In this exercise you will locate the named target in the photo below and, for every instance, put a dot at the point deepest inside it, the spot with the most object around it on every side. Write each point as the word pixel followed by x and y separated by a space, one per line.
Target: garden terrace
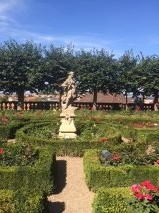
pixel 134 136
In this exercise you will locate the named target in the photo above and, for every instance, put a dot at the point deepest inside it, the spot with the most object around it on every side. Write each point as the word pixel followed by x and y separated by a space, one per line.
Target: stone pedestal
pixel 67 128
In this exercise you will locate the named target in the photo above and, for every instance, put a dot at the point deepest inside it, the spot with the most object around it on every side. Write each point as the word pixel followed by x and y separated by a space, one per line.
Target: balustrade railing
pixel 50 105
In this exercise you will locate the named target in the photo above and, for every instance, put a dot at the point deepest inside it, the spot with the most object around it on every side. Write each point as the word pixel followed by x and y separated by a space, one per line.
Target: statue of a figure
pixel 69 88
pixel 67 128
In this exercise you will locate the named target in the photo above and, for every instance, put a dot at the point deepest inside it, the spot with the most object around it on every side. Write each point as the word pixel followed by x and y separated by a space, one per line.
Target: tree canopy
pixel 95 71
pixel 30 66
pixel 20 67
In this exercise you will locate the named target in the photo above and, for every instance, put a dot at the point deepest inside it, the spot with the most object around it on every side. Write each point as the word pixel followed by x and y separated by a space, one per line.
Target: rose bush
pixel 146 197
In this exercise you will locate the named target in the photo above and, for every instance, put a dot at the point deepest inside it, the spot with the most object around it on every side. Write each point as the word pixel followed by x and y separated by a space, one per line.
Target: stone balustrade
pixel 50 105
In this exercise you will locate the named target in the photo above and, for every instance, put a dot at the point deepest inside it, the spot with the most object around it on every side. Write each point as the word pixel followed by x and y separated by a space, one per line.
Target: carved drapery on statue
pixel 67 128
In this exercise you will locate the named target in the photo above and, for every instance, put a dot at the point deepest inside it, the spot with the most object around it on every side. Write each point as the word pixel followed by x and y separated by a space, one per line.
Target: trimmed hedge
pixel 112 200
pixel 4 131
pixel 7 201
pixel 110 176
pixel 8 131
pixel 37 178
pixel 18 202
pixel 72 147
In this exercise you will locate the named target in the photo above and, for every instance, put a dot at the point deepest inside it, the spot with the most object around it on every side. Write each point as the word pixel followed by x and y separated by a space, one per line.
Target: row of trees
pixel 30 66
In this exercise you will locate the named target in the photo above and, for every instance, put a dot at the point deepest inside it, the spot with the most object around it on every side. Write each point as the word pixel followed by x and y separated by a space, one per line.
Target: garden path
pixel 72 194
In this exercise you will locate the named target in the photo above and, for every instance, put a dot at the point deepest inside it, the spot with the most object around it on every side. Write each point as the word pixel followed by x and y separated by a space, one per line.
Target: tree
pixel 20 67
pixel 58 62
pixel 96 71
pixel 149 75
pixel 127 73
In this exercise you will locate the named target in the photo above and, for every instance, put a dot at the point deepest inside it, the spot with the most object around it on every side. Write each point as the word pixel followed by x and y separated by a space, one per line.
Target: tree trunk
pixel 126 96
pixel 156 104
pixel 20 94
pixel 60 95
pixel 95 99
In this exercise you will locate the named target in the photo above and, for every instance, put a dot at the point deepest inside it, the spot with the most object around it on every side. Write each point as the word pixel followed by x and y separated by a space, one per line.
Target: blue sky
pixel 116 25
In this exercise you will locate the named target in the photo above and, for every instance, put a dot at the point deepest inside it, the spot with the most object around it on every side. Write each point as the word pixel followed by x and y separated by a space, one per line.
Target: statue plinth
pixel 67 128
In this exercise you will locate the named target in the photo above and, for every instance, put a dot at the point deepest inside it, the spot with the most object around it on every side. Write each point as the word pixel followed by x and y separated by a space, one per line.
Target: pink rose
pixel 1 151
pixel 139 196
pixel 148 185
pixel 148 197
pixel 136 188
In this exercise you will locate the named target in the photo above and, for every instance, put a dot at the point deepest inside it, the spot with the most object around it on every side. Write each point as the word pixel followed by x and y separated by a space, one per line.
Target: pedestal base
pixel 67 128
pixel 67 135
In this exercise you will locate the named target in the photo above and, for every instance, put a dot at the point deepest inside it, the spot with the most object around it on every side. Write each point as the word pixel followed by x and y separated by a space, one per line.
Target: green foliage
pixel 149 75
pixel 133 154
pixel 7 202
pixel 18 155
pixel 57 63
pixel 127 66
pixel 96 71
pixel 17 202
pixel 112 200
pixel 33 178
pixel 20 67
pixel 4 131
pixel 114 176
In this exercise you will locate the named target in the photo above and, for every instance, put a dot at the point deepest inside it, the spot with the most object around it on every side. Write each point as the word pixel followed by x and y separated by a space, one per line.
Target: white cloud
pixel 10 28
pixel 8 5
pixel 5 20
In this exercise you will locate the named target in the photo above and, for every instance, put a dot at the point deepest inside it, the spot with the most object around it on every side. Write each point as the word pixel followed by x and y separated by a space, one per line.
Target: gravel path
pixel 72 194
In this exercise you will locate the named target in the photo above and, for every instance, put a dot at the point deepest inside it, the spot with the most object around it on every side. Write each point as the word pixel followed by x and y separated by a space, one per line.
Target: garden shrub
pixel 112 200
pixel 4 131
pixel 13 127
pixel 18 155
pixel 7 201
pixel 20 201
pixel 33 203
pixel 98 175
pixel 32 134
pixel 31 178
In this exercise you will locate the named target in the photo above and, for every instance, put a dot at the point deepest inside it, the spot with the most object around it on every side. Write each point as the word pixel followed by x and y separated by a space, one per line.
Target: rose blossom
pixel 136 188
pixel 1 151
pixel 148 197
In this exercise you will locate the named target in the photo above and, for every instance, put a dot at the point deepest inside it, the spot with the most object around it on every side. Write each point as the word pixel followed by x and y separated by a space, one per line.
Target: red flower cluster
pixel 144 191
pixel 1 150
pixel 156 163
pixel 104 140
pixel 116 157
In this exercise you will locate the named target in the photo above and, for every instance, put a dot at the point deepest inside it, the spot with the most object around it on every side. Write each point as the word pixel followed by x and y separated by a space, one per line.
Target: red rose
pixel 1 151
pixel 116 157
pixel 148 185
pixel 156 163
pixel 148 197
pixel 139 196
pixel 136 188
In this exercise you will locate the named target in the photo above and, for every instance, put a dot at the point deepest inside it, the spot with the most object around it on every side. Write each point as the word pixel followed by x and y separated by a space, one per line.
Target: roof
pixel 105 98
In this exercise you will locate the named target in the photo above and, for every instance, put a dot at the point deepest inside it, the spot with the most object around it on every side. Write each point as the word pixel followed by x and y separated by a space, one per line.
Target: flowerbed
pixel 18 155
pixel 138 198
pixel 146 197
pixel 98 175
pixel 132 154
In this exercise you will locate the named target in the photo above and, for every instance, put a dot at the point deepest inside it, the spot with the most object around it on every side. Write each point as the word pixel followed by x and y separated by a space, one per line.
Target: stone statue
pixel 67 128
pixel 69 89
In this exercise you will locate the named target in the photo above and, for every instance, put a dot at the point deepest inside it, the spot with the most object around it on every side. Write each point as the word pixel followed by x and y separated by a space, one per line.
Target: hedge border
pixel 110 176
